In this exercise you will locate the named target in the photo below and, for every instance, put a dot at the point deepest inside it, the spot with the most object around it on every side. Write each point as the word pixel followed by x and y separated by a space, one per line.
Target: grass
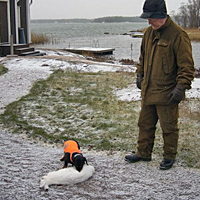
pixel 39 38
pixel 83 106
pixel 194 34
pixel 3 70
pixel 76 105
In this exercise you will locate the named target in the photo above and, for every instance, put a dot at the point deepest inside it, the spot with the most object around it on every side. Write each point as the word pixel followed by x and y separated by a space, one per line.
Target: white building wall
pixel 28 21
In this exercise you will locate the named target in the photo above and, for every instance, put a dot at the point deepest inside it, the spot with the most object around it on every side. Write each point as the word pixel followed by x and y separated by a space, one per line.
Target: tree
pixel 189 14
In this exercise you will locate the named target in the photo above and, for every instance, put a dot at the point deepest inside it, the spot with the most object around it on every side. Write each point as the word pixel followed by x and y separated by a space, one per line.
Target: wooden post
pixel 131 51
pixel 11 45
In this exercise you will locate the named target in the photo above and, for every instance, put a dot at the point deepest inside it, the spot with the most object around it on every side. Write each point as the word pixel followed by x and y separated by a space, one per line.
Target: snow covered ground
pixel 38 68
pixel 23 162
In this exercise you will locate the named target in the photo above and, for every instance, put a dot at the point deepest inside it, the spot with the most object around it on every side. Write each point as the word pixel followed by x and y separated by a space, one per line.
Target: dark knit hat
pixel 155 9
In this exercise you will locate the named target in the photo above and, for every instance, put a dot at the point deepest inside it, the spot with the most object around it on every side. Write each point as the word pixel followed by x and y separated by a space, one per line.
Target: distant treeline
pixel 118 19
pixel 60 21
pixel 96 20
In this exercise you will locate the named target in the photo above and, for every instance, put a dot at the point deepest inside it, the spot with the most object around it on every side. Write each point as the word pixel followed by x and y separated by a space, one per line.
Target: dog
pixel 67 176
pixel 73 155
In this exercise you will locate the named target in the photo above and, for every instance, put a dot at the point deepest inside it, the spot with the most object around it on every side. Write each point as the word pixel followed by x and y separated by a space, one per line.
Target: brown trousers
pixel 168 118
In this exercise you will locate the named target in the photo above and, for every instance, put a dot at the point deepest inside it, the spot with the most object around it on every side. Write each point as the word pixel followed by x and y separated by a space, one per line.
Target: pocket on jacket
pixel 163 49
pixel 165 64
pixel 168 83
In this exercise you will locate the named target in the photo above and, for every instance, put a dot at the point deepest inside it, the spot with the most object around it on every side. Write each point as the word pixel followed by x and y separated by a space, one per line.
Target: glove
pixel 139 80
pixel 176 95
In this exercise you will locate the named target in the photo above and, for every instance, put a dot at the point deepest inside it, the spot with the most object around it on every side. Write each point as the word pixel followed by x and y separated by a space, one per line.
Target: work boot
pixel 135 158
pixel 166 164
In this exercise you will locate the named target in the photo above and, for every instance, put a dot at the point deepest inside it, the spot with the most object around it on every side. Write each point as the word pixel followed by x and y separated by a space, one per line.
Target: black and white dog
pixel 73 155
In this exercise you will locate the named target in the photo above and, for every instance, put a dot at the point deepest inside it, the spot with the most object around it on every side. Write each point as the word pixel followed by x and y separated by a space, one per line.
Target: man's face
pixel 156 23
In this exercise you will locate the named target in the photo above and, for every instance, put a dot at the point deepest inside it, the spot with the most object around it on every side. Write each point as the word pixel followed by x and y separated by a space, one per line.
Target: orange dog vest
pixel 71 147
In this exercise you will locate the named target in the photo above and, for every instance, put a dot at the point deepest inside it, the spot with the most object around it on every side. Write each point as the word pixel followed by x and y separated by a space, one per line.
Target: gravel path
pixel 23 162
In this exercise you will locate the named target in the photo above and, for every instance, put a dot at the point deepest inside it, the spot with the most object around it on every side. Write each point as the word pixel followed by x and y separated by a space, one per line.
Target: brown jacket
pixel 165 61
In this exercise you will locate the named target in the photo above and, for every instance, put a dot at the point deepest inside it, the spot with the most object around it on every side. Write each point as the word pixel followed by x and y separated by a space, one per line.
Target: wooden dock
pixel 91 51
pixel 137 35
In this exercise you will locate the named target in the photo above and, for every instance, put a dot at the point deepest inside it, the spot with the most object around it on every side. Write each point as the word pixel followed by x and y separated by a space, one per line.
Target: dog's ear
pixel 85 160
pixel 78 144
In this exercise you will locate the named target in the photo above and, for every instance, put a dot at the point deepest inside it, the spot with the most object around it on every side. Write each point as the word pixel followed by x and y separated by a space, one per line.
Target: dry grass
pixel 39 38
pixel 194 34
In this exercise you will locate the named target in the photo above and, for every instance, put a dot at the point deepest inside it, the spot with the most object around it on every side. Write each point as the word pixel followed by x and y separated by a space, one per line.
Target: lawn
pixel 83 106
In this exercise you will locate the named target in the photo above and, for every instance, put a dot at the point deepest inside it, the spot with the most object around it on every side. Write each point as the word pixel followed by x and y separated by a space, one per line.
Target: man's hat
pixel 155 9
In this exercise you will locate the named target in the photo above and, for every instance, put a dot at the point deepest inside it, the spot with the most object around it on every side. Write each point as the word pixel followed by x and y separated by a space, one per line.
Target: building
pixel 15 27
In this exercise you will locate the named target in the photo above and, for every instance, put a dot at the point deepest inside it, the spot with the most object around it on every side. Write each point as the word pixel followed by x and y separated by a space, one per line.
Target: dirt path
pixel 23 162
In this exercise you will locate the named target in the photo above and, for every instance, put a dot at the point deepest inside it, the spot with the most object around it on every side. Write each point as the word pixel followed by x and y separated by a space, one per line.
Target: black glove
pixel 177 94
pixel 139 80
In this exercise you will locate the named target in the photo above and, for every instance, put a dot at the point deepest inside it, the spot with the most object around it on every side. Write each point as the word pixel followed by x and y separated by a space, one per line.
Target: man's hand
pixel 139 80
pixel 177 94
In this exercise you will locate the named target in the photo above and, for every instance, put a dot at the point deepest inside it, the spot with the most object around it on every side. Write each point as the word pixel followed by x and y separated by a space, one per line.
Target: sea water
pixel 104 35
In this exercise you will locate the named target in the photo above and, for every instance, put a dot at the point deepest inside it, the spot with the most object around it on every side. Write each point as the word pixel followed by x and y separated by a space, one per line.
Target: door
pixel 3 22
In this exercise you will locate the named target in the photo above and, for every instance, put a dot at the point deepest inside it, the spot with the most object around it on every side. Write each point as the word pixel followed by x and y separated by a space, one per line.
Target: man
pixel 164 72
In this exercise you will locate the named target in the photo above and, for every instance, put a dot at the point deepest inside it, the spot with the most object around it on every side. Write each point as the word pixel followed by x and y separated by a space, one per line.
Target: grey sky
pixel 68 9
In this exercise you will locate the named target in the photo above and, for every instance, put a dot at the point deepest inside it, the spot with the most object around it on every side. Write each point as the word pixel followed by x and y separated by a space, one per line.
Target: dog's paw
pixel 43 185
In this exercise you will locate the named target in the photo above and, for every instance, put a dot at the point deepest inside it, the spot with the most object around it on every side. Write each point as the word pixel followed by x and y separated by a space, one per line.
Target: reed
pixel 194 34
pixel 39 38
